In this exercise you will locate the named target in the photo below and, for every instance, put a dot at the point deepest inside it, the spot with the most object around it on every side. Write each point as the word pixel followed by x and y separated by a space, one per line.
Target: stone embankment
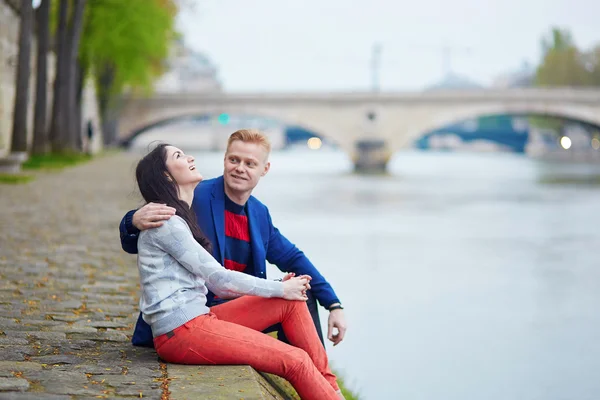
pixel 68 297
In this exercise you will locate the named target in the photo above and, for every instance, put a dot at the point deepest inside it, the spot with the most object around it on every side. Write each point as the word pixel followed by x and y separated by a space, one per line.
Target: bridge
pixel 369 126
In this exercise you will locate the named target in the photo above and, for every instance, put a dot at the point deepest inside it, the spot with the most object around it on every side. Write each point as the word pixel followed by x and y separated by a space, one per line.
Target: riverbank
pixel 68 297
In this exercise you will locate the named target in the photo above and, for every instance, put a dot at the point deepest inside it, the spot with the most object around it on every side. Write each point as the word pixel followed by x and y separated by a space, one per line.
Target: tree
pixel 559 39
pixel 120 44
pixel 592 65
pixel 562 63
pixel 40 125
pixel 57 126
pixel 73 123
pixel 19 133
pixel 130 54
pixel 64 130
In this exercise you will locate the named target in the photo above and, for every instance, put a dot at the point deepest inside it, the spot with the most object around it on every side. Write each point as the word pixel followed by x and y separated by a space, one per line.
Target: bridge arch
pixel 136 123
pixel 127 141
pixel 452 115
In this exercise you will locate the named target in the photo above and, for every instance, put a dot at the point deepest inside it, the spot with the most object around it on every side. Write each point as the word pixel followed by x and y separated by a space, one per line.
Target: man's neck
pixel 237 197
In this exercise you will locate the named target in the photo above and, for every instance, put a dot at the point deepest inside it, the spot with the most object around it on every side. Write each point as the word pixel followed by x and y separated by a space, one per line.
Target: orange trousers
pixel 231 334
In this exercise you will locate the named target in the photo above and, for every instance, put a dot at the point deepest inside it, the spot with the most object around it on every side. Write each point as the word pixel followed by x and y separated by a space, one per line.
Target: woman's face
pixel 182 167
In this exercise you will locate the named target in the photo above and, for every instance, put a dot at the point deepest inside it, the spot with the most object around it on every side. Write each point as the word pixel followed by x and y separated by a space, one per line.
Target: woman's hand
pixel 295 288
pixel 288 276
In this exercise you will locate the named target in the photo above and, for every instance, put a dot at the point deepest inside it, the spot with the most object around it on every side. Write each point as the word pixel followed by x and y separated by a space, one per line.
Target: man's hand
pixel 152 215
pixel 338 321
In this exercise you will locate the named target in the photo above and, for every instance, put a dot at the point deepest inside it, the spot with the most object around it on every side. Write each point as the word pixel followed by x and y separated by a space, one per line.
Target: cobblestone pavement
pixel 68 293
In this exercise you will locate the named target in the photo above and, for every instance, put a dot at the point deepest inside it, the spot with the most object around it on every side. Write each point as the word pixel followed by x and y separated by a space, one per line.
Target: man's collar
pixel 218 190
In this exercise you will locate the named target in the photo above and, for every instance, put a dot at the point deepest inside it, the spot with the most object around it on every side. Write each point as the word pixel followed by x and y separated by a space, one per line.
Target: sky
pixel 327 45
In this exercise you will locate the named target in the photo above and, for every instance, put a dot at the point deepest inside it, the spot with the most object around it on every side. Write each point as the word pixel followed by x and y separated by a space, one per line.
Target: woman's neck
pixel 186 194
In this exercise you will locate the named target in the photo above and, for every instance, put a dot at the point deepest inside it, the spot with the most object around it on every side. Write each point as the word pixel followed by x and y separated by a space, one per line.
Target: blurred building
pixel 521 77
pixel 454 81
pixel 188 71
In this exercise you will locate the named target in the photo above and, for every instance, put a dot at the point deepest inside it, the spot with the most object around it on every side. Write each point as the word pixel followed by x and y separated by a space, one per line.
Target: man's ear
pixel 267 168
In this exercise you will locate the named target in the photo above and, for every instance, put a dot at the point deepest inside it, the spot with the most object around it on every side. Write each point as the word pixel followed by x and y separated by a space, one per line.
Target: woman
pixel 176 271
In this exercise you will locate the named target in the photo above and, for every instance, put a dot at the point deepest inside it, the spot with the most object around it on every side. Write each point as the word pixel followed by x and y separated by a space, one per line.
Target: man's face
pixel 245 164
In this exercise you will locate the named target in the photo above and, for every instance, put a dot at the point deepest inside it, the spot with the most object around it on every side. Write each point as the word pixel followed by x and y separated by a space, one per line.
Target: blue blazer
pixel 267 243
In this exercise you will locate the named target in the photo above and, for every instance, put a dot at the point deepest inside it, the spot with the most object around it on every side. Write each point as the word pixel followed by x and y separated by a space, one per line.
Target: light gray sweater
pixel 175 272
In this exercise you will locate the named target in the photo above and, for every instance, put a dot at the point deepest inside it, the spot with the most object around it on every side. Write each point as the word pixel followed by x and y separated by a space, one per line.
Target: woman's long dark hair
pixel 158 186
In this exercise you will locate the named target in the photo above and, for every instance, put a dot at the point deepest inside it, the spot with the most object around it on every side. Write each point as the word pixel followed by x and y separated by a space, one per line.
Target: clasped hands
pixel 295 287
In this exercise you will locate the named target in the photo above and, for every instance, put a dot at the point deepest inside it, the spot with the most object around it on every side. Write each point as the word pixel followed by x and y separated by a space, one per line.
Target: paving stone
pixel 10 314
pixel 73 329
pixel 108 336
pixel 30 293
pixel 136 390
pixel 39 322
pixel 96 369
pixel 102 287
pixel 57 359
pixel 145 371
pixel 64 382
pixel 116 310
pixel 68 304
pixel 140 353
pixel 16 305
pixel 120 380
pixel 70 249
pixel 117 278
pixel 77 344
pixel 103 324
pixel 64 317
pixel 6 323
pixel 33 396
pixel 16 353
pixel 198 382
pixel 45 349
pixel 34 269
pixel 33 335
pixel 13 384
pixel 12 341
pixel 19 366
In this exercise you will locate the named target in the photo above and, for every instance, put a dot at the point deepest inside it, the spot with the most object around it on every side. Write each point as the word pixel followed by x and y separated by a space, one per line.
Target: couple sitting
pixel 186 311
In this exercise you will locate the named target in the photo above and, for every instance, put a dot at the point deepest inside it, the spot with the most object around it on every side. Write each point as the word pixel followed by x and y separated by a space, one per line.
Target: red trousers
pixel 231 334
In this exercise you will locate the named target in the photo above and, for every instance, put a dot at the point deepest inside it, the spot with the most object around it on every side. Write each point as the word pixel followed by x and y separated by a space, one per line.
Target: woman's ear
pixel 168 176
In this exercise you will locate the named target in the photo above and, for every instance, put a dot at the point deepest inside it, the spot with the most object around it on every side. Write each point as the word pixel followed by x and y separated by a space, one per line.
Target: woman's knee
pixel 299 359
pixel 286 305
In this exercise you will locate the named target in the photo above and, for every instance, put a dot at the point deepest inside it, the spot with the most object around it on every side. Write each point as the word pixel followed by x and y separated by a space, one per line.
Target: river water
pixel 464 276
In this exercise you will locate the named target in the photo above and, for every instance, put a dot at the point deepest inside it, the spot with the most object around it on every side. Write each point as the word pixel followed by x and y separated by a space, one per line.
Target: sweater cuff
pixel 131 229
pixel 329 302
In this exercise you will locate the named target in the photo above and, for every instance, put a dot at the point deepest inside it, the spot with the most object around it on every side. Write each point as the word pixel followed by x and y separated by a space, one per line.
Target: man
pixel 241 231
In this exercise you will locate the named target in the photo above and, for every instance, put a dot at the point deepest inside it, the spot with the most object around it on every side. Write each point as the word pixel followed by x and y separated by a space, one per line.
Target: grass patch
pixel 348 394
pixel 571 180
pixel 55 161
pixel 15 179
